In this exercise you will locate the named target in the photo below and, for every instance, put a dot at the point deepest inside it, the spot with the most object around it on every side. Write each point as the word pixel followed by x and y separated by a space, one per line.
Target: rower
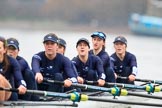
pixel 98 41
pixel 61 46
pixel 13 51
pixel 52 65
pixel 124 63
pixel 10 69
pixel 61 49
pixel 89 67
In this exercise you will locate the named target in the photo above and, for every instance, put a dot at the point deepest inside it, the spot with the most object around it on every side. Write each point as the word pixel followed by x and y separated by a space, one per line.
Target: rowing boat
pixel 69 104
pixel 66 103
pixel 145 25
pixel 106 98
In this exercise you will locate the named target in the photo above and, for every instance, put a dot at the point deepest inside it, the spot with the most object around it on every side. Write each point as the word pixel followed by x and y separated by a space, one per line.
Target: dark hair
pixel 5 60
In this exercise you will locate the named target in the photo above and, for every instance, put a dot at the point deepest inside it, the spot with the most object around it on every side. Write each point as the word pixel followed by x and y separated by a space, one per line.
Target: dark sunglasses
pixel 99 34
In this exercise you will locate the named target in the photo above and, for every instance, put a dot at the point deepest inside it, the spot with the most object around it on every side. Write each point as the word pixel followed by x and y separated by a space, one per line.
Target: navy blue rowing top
pixel 93 63
pixel 40 63
pixel 23 63
pixel 103 55
pixel 119 66
pixel 13 72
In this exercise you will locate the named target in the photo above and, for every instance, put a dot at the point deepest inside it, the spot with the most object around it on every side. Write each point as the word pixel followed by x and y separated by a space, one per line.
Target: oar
pixel 144 80
pixel 150 88
pixel 125 102
pixel 72 96
pixel 36 103
pixel 115 91
pixel 77 97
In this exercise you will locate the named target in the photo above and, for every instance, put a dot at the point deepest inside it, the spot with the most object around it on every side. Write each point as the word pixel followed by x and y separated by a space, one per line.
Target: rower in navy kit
pixel 124 63
pixel 10 69
pixel 13 50
pixel 98 40
pixel 89 67
pixel 61 49
pixel 50 64
pixel 61 46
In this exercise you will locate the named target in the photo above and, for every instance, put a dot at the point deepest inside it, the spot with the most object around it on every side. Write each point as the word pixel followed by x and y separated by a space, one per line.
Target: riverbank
pixel 60 26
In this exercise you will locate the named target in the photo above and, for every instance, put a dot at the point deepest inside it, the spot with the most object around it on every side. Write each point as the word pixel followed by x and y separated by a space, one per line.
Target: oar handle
pixel 91 82
pixel 120 77
pixel 10 89
pixel 53 81
pixel 143 80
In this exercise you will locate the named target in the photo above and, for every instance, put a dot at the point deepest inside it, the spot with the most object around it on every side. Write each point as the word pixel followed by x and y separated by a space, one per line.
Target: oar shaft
pixel 151 81
pixel 130 86
pixel 9 89
pixel 83 86
pixel 127 86
pixel 53 81
pixel 47 93
pixel 104 89
pixel 125 102
pixel 39 92
pixel 143 80
pixel 144 95
pixel 38 103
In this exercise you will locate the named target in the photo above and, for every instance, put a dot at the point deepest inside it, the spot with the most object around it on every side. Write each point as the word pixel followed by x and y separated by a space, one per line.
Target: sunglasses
pixel 99 34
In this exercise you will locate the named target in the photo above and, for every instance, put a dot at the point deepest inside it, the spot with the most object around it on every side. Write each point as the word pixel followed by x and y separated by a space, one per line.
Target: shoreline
pixel 59 26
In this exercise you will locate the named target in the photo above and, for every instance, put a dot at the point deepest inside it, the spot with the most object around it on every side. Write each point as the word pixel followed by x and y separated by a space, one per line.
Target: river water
pixel 148 50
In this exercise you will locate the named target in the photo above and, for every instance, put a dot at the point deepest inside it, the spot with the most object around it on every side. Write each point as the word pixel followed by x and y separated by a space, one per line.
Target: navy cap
pixel 50 37
pixel 81 40
pixel 99 34
pixel 61 42
pixel 120 39
pixel 13 42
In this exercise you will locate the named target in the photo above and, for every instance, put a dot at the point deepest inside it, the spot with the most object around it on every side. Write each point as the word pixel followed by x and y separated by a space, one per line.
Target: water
pixel 148 50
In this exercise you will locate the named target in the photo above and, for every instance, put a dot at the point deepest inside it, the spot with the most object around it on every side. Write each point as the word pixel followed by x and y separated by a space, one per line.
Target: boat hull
pixel 145 25
pixel 83 104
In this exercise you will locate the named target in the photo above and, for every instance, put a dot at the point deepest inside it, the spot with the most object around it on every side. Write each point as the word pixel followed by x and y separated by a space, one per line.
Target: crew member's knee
pixel 4 95
pixel 92 75
pixel 110 77
pixel 58 76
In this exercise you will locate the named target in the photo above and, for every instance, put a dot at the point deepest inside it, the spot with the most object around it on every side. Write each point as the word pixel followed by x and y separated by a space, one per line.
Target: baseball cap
pixel 81 40
pixel 13 42
pixel 50 37
pixel 99 34
pixel 61 42
pixel 120 39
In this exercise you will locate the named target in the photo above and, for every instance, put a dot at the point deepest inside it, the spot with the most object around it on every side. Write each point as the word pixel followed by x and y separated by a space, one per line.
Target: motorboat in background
pixel 145 25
